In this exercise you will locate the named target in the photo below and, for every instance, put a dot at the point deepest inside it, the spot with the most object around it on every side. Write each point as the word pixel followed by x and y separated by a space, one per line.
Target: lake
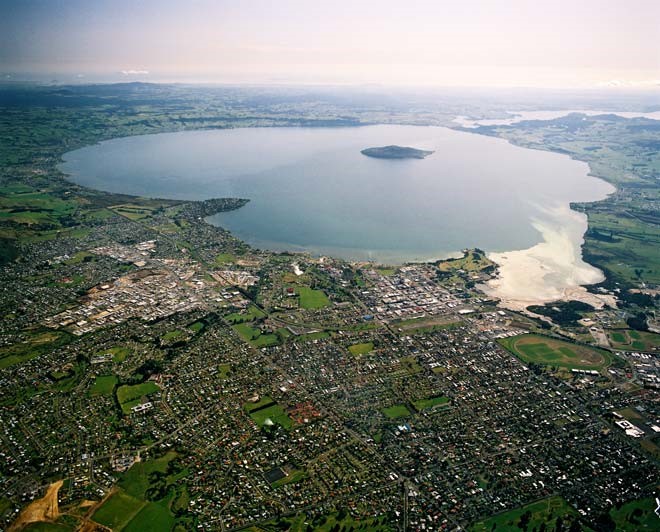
pixel 311 189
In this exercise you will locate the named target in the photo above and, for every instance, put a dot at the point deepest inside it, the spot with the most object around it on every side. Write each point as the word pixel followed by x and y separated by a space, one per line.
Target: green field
pixel 423 404
pixel 250 314
pixel 537 349
pixel 131 395
pixel 224 258
pixel 132 211
pixel 319 335
pixel 151 518
pixel 254 336
pixel 311 299
pixel 410 365
pixel 361 349
pixel 172 336
pixel 636 515
pixel 119 354
pixel 118 510
pixel 291 478
pixel 31 208
pixel 631 340
pixel 396 411
pixel 103 385
pixel 197 326
pixel 38 342
pixel 471 261
pixel 530 517
pixel 136 481
pixel 43 526
pixel 266 409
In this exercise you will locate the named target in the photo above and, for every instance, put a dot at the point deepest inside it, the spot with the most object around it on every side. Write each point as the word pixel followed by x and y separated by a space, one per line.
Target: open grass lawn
pixel 172 336
pixel 319 335
pixel 119 354
pixel 48 527
pixel 38 342
pixel 250 314
pixel 636 515
pixel 291 478
pixel 34 207
pixel 535 514
pixel 273 412
pixel 424 325
pixel 151 518
pixel 312 299
pixel 254 336
pixel 265 409
pixel 103 385
pixel 423 404
pixel 197 326
pixel 471 261
pixel 396 411
pixel 135 481
pixel 361 349
pixel 224 370
pixel 410 365
pixel 133 212
pixel 131 395
pixel 547 351
pixel 631 340
pixel 224 258
pixel 118 510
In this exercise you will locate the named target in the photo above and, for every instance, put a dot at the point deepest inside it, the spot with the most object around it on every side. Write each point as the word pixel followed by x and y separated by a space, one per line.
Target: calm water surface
pixel 312 190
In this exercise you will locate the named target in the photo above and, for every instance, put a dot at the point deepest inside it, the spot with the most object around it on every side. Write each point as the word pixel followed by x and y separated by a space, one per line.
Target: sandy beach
pixel 552 270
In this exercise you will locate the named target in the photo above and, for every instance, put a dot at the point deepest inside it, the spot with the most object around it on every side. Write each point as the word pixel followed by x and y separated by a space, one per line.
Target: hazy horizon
pixel 436 44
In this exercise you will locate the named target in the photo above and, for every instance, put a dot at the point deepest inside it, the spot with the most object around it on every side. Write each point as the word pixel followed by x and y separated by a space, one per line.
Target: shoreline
pixel 552 270
pixel 520 273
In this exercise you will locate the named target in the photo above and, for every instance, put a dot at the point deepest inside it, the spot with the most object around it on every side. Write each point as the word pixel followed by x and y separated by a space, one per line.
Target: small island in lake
pixel 395 152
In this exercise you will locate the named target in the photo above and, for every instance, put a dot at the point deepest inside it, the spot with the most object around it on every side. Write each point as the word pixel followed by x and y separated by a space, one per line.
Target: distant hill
pixel 395 152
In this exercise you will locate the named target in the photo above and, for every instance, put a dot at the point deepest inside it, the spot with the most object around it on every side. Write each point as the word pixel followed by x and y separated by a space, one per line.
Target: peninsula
pixel 395 152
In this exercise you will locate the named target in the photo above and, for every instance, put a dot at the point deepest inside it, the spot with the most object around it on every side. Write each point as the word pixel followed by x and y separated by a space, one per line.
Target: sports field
pixel 537 349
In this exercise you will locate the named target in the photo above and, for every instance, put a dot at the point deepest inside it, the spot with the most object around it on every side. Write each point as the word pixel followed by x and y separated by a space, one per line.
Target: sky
pixel 477 43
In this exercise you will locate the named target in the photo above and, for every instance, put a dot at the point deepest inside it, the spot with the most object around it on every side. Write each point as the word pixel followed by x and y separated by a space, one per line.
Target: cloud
pixel 135 72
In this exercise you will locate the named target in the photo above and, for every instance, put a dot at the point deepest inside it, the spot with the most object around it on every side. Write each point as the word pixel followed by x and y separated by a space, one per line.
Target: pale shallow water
pixel 311 189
